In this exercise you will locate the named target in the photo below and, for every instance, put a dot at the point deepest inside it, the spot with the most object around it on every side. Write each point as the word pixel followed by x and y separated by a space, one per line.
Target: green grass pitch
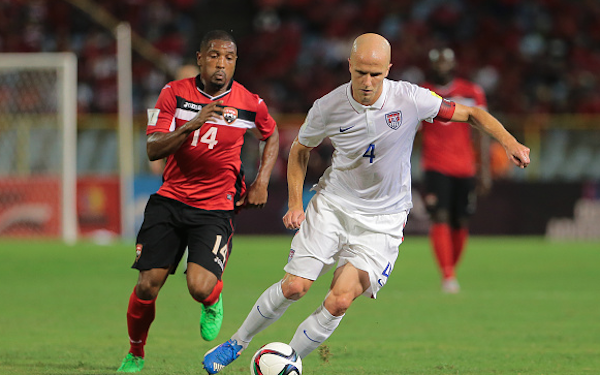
pixel 527 306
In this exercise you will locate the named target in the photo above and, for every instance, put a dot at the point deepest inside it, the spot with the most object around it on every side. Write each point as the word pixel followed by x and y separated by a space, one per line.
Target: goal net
pixel 38 109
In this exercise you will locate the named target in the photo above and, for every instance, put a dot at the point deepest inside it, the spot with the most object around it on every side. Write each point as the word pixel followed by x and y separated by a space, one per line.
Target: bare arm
pixel 257 194
pixel 160 145
pixel 297 163
pixel 516 152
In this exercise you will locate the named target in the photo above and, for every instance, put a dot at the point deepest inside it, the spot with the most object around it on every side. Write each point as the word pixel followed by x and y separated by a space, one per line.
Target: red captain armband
pixel 446 110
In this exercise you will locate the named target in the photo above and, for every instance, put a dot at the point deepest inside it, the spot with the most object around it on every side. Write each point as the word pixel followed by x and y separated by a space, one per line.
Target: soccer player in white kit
pixel 357 217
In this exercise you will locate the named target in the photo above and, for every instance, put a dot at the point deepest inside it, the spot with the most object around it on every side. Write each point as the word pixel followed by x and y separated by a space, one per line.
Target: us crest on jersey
pixel 393 119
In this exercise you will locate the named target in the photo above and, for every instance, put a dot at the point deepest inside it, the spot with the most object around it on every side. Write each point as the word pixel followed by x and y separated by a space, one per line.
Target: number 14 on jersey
pixel 210 137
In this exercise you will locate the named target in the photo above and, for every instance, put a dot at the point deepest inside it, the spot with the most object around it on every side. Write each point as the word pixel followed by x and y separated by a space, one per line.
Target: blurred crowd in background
pixel 528 55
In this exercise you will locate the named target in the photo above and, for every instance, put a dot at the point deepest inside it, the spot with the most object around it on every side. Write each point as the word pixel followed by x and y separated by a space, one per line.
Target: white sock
pixel 314 330
pixel 269 307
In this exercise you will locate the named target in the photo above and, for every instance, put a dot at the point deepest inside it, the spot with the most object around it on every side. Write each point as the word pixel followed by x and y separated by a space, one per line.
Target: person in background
pixel 198 125
pixel 357 217
pixel 187 71
pixel 450 165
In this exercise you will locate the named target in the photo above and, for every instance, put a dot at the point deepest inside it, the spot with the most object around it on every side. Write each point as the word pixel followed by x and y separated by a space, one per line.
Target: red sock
pixel 140 314
pixel 442 246
pixel 459 239
pixel 214 295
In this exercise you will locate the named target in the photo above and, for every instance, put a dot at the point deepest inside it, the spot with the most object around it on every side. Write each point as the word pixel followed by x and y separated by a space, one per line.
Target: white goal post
pixel 38 137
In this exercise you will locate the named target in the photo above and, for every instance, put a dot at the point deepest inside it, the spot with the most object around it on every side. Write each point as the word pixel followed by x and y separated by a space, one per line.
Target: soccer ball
pixel 276 358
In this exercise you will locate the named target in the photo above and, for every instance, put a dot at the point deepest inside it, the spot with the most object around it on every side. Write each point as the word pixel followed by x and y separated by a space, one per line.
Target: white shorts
pixel 330 234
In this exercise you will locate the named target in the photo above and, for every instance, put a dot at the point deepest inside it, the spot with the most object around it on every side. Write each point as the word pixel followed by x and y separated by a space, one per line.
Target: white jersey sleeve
pixel 427 103
pixel 312 132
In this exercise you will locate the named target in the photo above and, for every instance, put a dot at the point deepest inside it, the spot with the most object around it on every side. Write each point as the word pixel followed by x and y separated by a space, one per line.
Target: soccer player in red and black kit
pixel 449 162
pixel 198 125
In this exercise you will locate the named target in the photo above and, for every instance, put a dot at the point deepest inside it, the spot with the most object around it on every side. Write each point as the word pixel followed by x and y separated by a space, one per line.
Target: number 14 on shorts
pixel 222 251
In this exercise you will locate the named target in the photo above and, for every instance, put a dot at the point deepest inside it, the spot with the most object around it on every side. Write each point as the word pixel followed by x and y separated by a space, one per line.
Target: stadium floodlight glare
pixel 38 127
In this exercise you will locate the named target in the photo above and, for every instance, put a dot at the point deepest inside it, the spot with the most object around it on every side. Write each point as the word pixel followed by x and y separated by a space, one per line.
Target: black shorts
pixel 170 226
pixel 453 194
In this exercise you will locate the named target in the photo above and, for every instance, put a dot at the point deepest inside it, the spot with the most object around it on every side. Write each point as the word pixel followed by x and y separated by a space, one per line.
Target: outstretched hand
pixel 518 154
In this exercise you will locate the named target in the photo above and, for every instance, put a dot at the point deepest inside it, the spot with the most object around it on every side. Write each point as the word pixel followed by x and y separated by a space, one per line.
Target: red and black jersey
pixel 448 146
pixel 206 171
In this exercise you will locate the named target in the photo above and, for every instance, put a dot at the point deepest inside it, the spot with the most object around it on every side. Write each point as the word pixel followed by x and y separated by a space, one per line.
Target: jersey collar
pixel 359 108
pixel 200 87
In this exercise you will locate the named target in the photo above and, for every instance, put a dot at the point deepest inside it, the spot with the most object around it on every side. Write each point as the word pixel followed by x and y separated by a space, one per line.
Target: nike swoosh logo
pixel 306 334
pixel 348 128
pixel 261 314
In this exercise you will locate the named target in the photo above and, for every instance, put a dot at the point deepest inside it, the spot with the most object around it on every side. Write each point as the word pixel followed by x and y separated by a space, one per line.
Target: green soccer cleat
pixel 132 363
pixel 211 319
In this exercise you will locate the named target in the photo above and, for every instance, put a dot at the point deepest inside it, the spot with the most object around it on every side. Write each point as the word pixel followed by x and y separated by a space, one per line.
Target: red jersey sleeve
pixel 446 111
pixel 162 117
pixel 264 122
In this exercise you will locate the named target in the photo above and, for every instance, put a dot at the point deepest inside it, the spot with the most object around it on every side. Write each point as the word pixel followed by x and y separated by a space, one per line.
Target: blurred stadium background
pixel 538 61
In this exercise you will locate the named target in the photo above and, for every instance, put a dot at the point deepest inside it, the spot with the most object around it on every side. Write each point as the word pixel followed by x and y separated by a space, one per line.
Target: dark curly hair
pixel 216 35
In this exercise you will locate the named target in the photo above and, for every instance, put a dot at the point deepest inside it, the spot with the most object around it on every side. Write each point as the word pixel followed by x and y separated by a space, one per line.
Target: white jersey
pixel 370 169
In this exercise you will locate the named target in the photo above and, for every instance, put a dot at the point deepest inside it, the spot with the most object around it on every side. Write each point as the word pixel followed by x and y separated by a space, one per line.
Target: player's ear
pixel 198 58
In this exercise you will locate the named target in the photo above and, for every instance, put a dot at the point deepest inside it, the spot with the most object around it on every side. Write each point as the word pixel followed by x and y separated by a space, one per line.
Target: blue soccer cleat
pixel 218 357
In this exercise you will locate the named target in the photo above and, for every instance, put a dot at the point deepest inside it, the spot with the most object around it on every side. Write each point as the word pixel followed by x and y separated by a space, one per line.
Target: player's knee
pixel 201 289
pixel 337 304
pixel 294 288
pixel 440 216
pixel 147 289
pixel 149 283
pixel 460 222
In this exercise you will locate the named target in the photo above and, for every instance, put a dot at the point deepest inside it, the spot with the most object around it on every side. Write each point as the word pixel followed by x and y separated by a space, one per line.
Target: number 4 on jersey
pixel 370 153
pixel 210 137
